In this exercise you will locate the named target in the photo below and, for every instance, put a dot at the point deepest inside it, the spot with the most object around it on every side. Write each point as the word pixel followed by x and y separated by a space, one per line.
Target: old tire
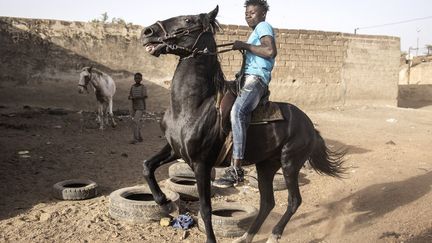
pixel 230 219
pixel 75 189
pixel 185 187
pixel 182 169
pixel 136 205
pixel 278 181
pixel 219 171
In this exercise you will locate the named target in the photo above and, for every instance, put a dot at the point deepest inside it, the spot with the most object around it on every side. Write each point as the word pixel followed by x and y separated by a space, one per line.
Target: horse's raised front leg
pixel 110 112
pixel 164 156
pixel 202 175
pixel 265 171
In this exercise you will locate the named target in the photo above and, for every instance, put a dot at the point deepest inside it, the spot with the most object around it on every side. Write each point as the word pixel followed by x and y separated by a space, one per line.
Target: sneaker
pixel 233 175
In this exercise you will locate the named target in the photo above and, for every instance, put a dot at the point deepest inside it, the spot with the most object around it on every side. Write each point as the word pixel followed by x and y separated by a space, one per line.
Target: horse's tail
pixel 325 161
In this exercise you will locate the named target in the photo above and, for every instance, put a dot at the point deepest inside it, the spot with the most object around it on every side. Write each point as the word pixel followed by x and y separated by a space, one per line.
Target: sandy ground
pixel 386 196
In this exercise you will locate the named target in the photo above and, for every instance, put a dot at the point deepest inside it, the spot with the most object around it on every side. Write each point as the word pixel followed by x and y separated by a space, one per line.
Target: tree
pixel 118 21
pixel 429 49
pixel 103 19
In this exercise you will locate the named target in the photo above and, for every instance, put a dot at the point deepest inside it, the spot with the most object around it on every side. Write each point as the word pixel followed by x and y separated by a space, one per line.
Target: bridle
pixel 193 51
pixel 86 81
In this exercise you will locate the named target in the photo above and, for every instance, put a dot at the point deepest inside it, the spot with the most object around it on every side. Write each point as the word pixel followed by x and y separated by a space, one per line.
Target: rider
pixel 260 57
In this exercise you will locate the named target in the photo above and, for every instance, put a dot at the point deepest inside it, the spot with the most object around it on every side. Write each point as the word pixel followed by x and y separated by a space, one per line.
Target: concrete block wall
pixel 371 70
pixel 313 68
pixel 320 69
pixel 420 73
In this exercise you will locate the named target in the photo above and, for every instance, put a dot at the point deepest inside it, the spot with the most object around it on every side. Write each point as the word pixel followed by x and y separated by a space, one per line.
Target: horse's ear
pixel 90 69
pixel 78 67
pixel 212 15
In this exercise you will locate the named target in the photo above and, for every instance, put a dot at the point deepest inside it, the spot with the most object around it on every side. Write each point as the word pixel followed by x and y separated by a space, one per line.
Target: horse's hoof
pixel 245 238
pixel 169 207
pixel 273 239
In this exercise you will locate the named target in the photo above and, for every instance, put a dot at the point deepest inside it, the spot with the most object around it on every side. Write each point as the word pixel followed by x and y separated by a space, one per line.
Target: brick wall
pixel 313 68
pixel 318 69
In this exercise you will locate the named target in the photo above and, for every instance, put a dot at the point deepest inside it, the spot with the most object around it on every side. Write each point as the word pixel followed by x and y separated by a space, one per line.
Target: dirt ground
pixel 385 197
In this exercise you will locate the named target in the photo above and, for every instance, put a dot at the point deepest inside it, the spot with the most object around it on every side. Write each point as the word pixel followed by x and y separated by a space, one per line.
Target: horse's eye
pixel 188 21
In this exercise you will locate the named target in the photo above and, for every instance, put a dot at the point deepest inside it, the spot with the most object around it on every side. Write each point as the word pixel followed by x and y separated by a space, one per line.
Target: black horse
pixel 191 125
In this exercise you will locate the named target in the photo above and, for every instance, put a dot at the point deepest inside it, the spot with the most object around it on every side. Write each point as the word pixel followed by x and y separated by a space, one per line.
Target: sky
pixel 375 17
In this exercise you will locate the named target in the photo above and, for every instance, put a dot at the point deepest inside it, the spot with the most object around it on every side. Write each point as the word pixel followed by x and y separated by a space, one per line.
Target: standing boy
pixel 138 94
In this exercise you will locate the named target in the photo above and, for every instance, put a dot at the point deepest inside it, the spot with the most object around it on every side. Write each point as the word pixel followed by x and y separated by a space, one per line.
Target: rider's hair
pixel 138 74
pixel 262 3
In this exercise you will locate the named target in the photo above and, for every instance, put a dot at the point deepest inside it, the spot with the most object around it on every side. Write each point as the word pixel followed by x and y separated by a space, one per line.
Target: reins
pixel 225 50
pixel 185 32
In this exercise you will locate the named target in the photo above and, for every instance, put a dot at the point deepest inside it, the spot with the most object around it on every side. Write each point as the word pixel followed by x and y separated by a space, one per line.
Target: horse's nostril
pixel 147 32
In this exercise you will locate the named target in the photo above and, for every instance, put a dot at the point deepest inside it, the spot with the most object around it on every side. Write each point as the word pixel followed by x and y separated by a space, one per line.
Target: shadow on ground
pixel 374 201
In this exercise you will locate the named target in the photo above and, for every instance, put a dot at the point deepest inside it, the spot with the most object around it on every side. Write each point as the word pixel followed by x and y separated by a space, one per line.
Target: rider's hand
pixel 239 45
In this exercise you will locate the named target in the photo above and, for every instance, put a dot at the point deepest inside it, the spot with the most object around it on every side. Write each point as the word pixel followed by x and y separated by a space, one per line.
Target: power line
pixel 394 23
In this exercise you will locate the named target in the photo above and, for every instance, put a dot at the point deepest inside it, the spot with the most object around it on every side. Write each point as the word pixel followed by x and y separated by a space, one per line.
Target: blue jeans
pixel 244 104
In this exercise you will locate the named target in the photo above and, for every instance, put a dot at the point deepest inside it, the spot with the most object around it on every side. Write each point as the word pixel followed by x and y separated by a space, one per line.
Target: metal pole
pixel 418 31
pixel 409 65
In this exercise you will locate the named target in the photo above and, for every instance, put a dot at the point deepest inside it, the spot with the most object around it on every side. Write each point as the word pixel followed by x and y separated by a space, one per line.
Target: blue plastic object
pixel 183 221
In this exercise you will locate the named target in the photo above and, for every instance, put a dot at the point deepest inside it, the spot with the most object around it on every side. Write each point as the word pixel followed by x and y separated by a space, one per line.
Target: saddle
pixel 265 112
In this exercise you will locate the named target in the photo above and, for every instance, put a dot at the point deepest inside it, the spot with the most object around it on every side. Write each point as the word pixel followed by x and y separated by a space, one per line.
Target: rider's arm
pixel 267 49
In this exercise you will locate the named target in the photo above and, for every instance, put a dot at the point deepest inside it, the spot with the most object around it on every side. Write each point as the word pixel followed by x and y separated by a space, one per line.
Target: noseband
pixel 185 32
pixel 86 82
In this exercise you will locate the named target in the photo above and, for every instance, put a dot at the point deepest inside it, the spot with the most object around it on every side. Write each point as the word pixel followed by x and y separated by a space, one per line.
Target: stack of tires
pixel 228 219
pixel 182 180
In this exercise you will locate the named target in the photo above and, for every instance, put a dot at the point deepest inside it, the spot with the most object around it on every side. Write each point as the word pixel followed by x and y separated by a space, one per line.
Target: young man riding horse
pixel 260 58
pixel 191 123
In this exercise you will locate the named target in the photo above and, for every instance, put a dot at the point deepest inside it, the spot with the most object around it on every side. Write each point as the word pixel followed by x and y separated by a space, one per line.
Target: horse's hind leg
pixel 110 112
pixel 105 112
pixel 266 171
pixel 290 167
pixel 100 116
pixel 164 156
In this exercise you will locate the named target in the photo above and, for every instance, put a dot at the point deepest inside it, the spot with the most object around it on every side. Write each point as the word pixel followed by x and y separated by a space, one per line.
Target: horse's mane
pixel 210 25
pixel 219 77
pixel 97 71
pixel 213 26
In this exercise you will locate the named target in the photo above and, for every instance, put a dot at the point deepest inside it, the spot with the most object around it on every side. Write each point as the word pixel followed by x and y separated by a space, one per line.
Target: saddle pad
pixel 270 111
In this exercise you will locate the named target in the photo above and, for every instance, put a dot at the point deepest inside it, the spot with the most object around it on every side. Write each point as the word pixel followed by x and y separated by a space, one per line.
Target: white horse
pixel 104 88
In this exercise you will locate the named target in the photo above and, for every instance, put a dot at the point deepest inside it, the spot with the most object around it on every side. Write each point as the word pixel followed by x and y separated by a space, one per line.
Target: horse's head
pixel 85 77
pixel 178 35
